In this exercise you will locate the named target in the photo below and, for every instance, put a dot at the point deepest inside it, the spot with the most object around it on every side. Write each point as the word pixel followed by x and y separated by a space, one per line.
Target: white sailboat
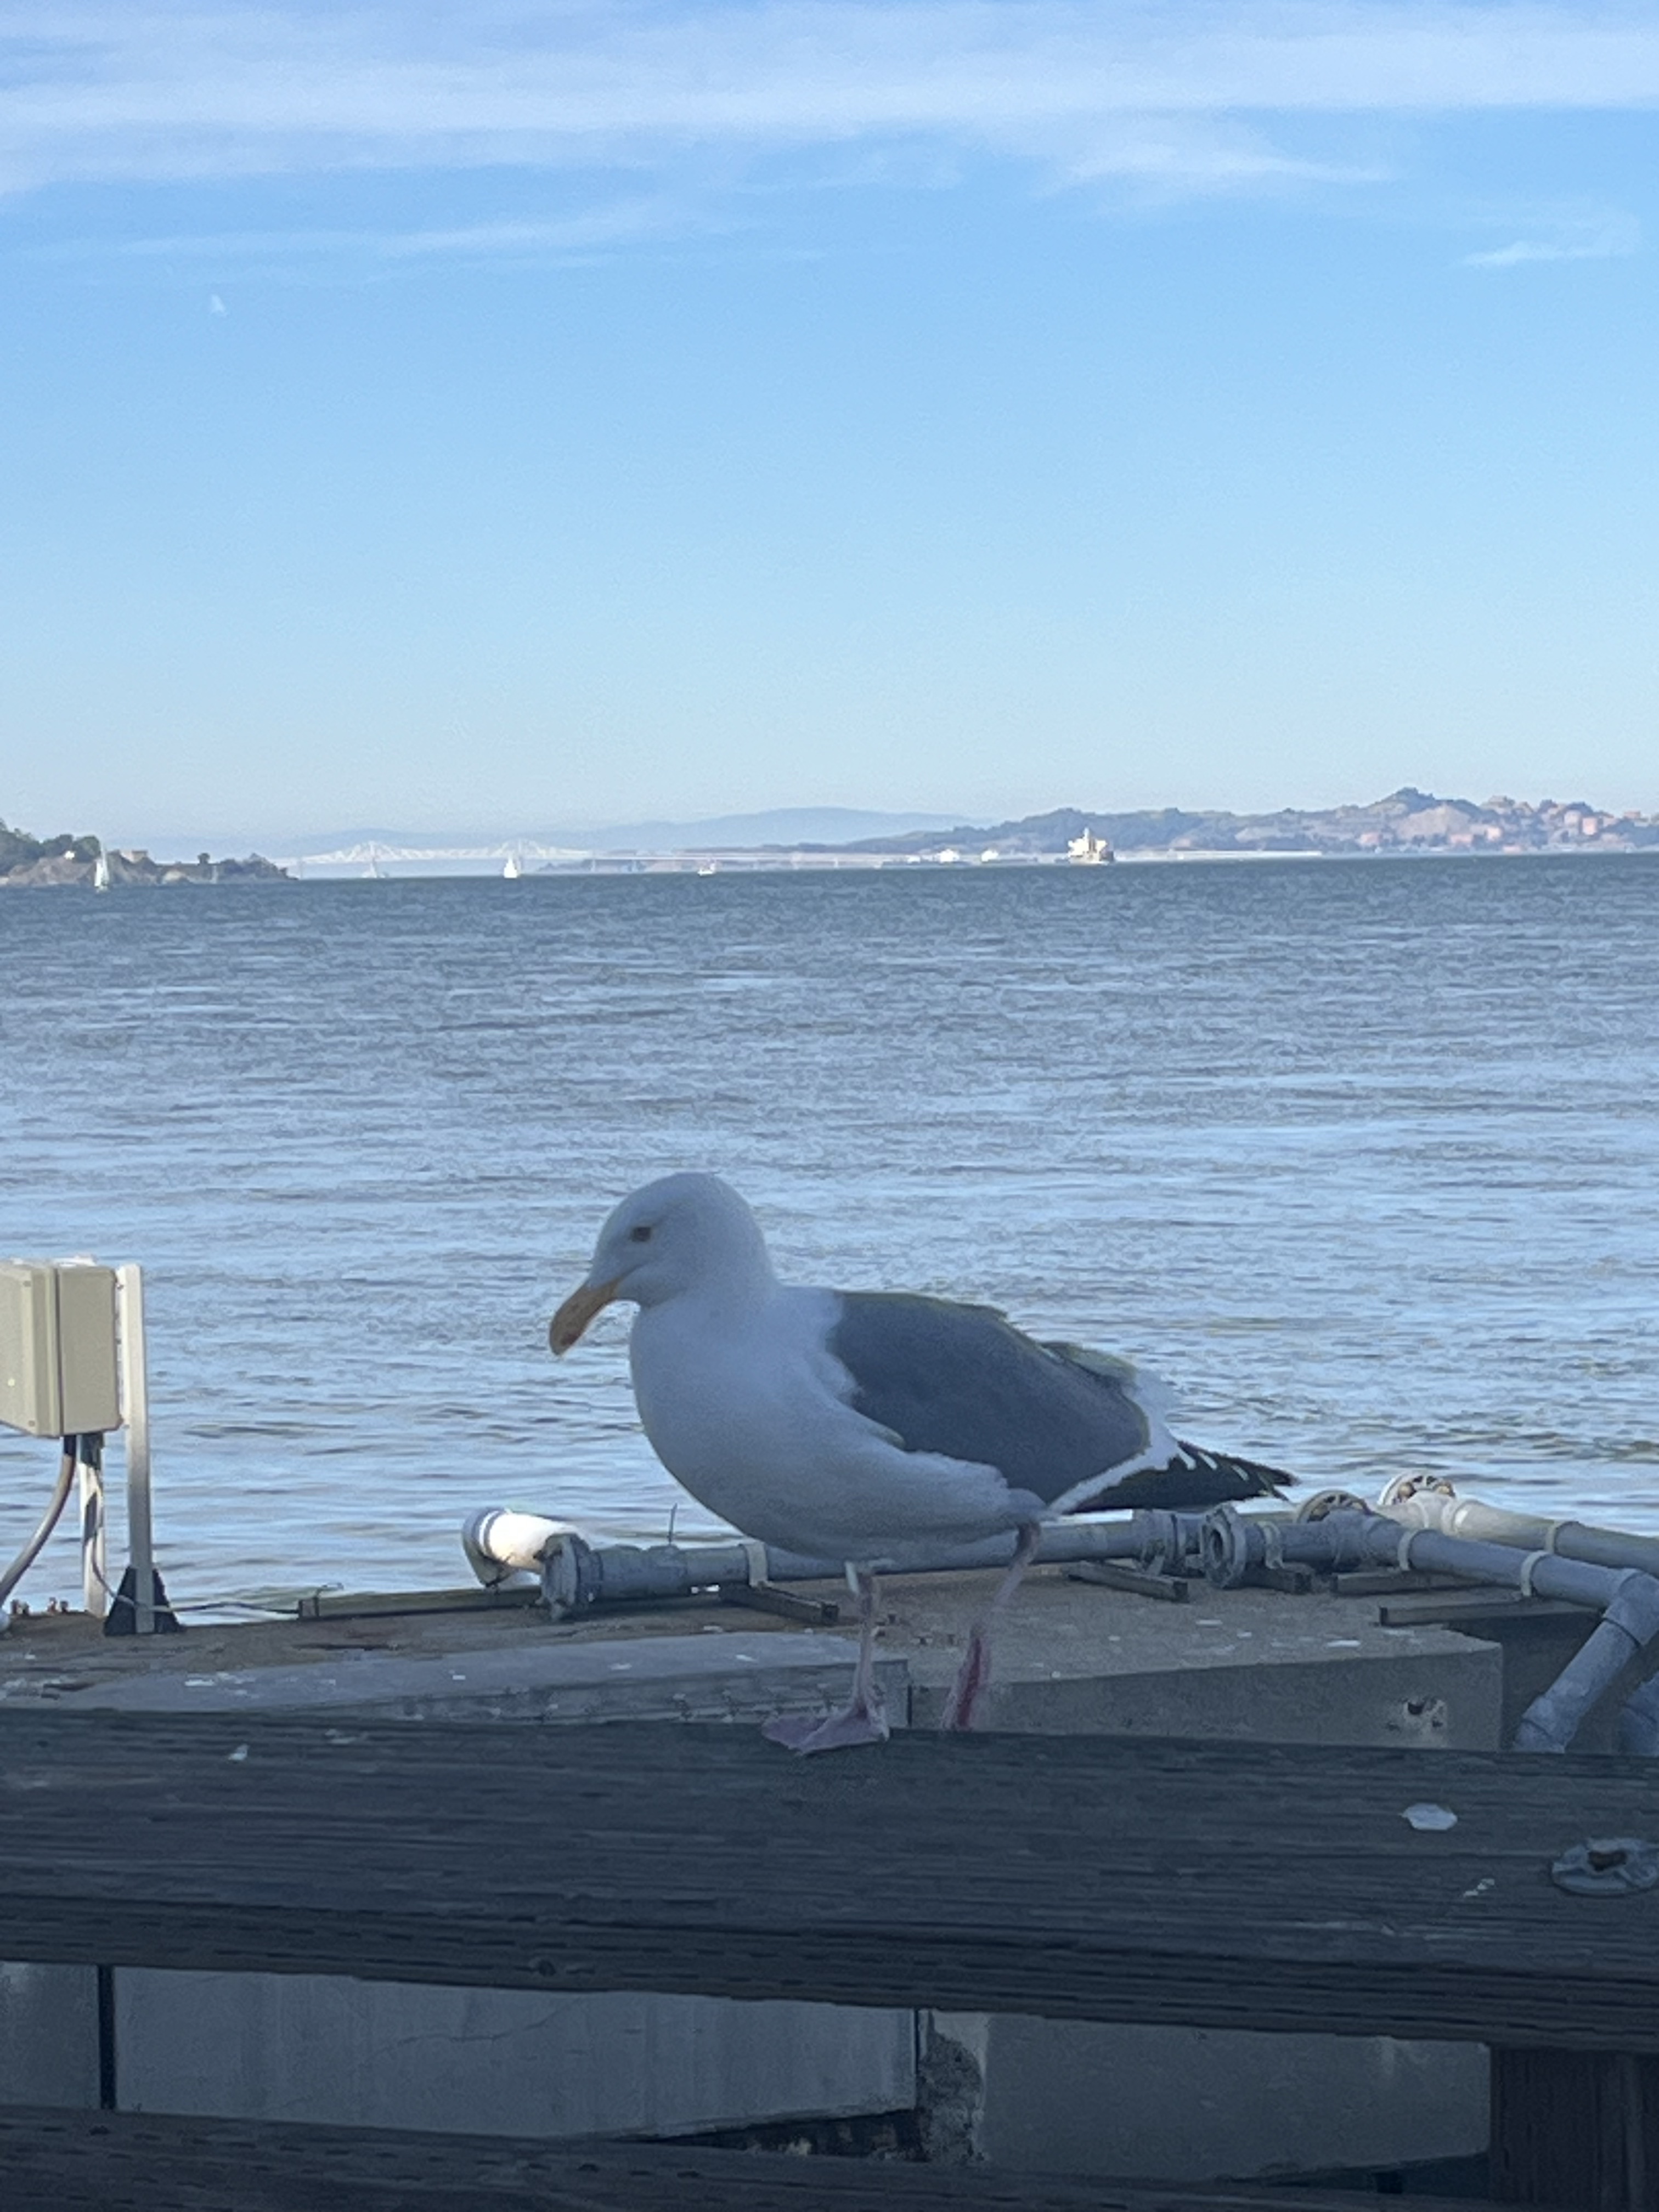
pixel 100 872
pixel 512 870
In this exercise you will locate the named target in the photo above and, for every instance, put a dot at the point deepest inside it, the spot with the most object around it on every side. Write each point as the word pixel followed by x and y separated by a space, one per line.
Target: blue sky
pixel 512 416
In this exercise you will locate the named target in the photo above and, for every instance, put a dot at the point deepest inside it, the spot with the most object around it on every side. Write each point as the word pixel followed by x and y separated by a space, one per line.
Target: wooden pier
pixel 1270 1886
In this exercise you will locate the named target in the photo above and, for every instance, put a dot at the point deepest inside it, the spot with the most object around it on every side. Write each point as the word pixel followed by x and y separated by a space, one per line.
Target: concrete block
pixel 728 1676
pixel 1252 1666
pixel 1177 2103
pixel 49 2035
pixel 1451 1699
pixel 297 2047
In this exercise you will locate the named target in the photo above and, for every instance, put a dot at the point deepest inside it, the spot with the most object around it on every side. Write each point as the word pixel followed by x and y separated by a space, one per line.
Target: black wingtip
pixel 1254 1477
pixel 1193 1478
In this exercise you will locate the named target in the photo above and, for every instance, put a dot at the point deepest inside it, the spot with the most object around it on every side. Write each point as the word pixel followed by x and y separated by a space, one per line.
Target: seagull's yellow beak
pixel 569 1324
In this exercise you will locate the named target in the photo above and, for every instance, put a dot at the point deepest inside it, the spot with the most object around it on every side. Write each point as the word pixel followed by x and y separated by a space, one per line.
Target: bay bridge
pixel 514 856
pixel 372 857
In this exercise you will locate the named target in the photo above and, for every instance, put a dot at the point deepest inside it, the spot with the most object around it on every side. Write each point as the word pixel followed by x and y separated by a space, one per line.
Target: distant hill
pixel 1407 820
pixel 779 825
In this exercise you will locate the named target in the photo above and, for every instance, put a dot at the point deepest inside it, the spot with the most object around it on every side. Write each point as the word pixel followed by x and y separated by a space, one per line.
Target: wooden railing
pixel 1277 1888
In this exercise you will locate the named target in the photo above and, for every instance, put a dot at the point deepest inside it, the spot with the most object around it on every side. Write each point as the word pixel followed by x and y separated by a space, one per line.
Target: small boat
pixel 512 870
pixel 100 872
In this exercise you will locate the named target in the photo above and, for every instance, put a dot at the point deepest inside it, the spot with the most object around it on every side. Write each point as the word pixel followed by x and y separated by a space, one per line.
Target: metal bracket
pixel 1391 1582
pixel 1291 1576
pixel 1139 1582
pixel 1447 1608
pixel 788 1605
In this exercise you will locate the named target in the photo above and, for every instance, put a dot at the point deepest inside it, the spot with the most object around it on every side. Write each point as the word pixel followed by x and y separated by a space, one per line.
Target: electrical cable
pixel 26 1559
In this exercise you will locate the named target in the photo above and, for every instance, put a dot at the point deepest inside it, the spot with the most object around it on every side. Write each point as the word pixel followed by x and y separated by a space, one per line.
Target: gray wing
pixel 964 1382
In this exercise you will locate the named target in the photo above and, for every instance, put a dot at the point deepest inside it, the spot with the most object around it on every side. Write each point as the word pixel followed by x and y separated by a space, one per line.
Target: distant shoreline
pixel 729 864
pixel 106 871
pixel 1408 824
pixel 741 865
pixel 1406 821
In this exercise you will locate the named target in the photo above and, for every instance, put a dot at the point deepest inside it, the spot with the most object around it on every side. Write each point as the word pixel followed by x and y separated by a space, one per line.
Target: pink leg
pixel 975 1671
pixel 862 1719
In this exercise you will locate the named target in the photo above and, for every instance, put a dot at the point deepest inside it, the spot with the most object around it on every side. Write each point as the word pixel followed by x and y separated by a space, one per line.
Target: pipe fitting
pixel 502 1546
pixel 570 1576
pixel 1324 1503
pixel 1229 1546
pixel 1400 1487
pixel 1166 1538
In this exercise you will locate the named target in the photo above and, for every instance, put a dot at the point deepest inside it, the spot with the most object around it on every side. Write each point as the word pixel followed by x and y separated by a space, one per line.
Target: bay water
pixel 1362 1157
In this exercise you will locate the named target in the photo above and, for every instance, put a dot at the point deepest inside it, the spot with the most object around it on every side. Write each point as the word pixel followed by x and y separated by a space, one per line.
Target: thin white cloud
pixel 1190 154
pixel 1096 87
pixel 592 229
pixel 1602 237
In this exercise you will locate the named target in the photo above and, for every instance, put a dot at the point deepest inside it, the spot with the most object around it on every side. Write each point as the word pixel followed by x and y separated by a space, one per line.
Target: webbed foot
pixel 807 1732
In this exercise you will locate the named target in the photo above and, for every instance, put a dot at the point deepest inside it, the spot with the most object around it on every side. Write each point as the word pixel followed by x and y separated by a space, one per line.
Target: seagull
pixel 872 1428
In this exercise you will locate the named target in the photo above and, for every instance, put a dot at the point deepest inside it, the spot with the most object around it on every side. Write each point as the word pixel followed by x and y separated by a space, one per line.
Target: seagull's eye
pixel 640 1236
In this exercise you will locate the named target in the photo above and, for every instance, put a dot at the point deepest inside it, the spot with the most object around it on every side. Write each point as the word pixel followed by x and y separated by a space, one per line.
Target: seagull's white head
pixel 680 1234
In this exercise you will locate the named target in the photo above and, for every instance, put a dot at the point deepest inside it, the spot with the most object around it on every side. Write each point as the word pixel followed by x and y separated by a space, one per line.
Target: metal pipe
pixel 1429 1502
pixel 1233 1545
pixel 576 1575
pixel 1627 1600
pixel 1628 1626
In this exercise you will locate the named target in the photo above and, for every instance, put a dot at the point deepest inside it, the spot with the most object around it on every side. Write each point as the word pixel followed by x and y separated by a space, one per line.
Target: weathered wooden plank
pixel 1576 2128
pixel 1268 1886
pixel 140 2162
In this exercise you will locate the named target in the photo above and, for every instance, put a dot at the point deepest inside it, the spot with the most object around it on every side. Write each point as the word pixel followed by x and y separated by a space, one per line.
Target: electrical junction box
pixel 59 1373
